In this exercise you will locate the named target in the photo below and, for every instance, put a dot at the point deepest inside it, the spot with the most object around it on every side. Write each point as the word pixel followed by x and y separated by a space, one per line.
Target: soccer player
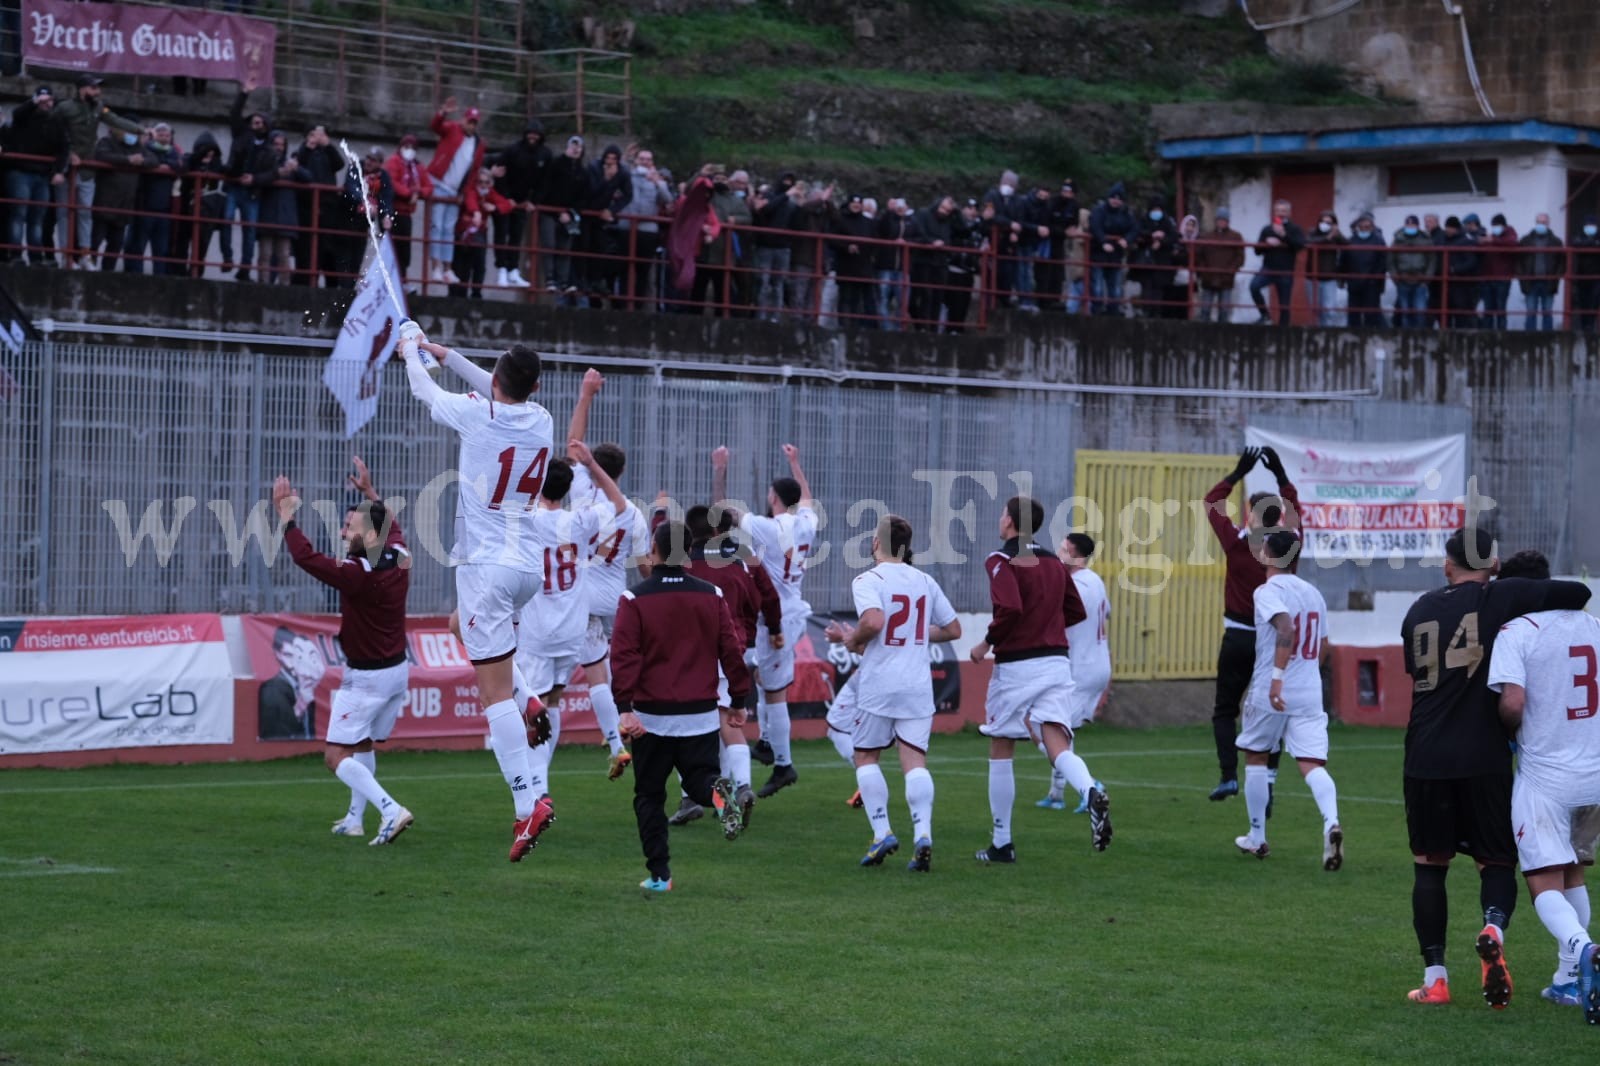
pixel 1236 657
pixel 555 623
pixel 1284 705
pixel 900 611
pixel 373 578
pixel 1546 667
pixel 505 452
pixel 620 543
pixel 1035 602
pixel 782 541
pixel 1089 651
pixel 1457 761
pixel 672 631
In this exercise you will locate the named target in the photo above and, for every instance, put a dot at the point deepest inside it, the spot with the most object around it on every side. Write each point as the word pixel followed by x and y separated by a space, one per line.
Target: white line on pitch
pixel 49 868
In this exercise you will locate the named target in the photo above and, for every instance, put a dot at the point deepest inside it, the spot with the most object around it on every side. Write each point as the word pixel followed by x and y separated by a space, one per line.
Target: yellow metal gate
pixel 1160 561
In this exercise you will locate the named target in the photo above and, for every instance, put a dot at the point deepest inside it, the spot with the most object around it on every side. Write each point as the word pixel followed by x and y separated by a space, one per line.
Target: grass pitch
pixel 204 914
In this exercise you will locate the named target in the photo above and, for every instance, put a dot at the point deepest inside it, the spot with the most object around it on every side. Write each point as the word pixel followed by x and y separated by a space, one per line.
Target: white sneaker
pixel 348 827
pixel 436 274
pixel 392 827
pixel 1250 847
pixel 516 278
pixel 1333 848
pixel 450 277
pixel 500 278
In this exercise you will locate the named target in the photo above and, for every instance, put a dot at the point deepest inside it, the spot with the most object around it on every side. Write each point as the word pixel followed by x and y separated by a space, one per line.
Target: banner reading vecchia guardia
pixel 158 41
pixel 1362 500
pixel 77 684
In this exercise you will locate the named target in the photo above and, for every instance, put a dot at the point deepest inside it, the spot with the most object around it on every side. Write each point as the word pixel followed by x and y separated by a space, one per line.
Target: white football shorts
pixel 366 704
pixel 489 599
pixel 1028 691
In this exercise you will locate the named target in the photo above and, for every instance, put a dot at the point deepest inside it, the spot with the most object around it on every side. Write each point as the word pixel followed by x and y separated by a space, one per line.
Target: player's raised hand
pixel 1247 462
pixel 579 453
pixel 361 480
pixel 1269 456
pixel 719 457
pixel 284 500
pixel 791 453
pixel 449 105
pixel 592 381
pixel 837 632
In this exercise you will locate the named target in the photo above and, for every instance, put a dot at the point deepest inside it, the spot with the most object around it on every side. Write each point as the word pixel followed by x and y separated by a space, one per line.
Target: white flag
pixel 366 341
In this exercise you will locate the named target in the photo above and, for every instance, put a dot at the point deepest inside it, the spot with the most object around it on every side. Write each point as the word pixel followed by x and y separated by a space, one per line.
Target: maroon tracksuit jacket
pixel 671 631
pixel 746 589
pixel 1035 600
pixel 372 596
pixel 1245 573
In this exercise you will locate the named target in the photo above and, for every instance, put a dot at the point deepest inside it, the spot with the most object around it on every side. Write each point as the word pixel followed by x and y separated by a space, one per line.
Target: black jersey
pixel 1447 637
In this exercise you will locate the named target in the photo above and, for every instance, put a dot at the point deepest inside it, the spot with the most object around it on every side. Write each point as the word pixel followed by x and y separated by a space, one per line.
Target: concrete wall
pixel 1532 59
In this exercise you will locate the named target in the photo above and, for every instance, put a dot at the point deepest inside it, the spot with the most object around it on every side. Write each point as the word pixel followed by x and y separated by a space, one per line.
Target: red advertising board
pixel 155 41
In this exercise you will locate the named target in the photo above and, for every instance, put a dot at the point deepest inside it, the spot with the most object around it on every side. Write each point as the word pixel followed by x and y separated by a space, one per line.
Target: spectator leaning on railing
pixel 200 197
pixel 651 199
pixel 116 196
pixel 336 243
pixel 1363 264
pixel 158 186
pixel 249 154
pixel 889 264
pixel 1217 262
pixel 1076 257
pixel 1543 258
pixel 609 192
pixel 1462 267
pixel 411 183
pixel 1154 258
pixel 811 218
pixel 455 162
pixel 1411 263
pixel 1323 282
pixel 565 185
pixel 852 261
pixel 930 233
pixel 772 213
pixel 1499 267
pixel 968 234
pixel 1278 246
pixel 279 211
pixel 81 114
pixel 521 182
pixel 34 131
pixel 1586 276
pixel 1113 229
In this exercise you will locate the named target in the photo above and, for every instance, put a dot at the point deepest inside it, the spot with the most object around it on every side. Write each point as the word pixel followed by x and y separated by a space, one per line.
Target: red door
pixel 1310 191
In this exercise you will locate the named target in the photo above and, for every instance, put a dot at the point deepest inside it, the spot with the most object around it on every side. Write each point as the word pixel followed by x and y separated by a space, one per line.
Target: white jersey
pixel 1555 657
pixel 554 621
pixel 505 450
pixel 1284 593
pixel 617 539
pixel 783 543
pixel 896 681
pixel 1088 646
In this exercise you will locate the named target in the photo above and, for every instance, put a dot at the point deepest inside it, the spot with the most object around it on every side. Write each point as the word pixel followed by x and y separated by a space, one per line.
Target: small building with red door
pixel 1340 160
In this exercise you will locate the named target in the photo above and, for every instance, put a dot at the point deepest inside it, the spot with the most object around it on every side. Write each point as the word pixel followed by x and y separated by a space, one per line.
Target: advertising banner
pixel 77 684
pixel 1360 500
pixel 155 41
pixel 297 662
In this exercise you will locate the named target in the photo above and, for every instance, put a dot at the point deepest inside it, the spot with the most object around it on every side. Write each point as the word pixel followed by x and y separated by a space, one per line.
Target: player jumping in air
pixel 1090 652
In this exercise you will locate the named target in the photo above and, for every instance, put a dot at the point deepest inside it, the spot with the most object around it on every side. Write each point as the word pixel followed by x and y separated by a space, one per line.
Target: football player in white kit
pixel 555 623
pixel 1546 667
pixel 506 447
pixel 1284 704
pixel 782 541
pixel 623 540
pixel 1089 653
pixel 900 611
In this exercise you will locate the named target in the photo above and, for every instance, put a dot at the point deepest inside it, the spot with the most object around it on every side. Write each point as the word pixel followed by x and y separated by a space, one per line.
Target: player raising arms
pixel 622 541
pixel 373 578
pixel 505 453
pixel 1034 604
pixel 555 623
pixel 1089 651
pixel 1284 705
pixel 782 541
pixel 1546 667
pixel 900 611
pixel 1457 762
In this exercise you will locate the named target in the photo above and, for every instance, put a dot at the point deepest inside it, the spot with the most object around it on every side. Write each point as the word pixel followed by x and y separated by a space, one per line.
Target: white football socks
pixel 1567 967
pixel 1075 772
pixel 778 732
pixel 1002 794
pixel 874 797
pixel 358 802
pixel 1558 916
pixel 360 779
pixel 1255 801
pixel 1327 796
pixel 508 735
pixel 739 765
pixel 919 797
pixel 844 744
pixel 1579 898
pixel 605 715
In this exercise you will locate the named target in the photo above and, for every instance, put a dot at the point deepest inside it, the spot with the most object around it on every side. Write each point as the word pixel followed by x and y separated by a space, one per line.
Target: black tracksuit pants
pixel 1236 662
pixel 655 758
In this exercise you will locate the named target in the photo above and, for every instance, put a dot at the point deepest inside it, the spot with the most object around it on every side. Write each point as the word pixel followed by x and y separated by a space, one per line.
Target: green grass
pixel 711 33
pixel 236 930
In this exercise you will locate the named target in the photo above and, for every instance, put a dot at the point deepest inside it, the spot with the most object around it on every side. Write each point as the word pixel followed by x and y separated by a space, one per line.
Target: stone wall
pixel 1533 59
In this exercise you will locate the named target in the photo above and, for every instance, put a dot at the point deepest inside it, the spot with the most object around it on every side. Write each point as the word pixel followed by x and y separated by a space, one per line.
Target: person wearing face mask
pixel 1112 231
pixel 81 115
pixel 1323 246
pixel 565 185
pixel 609 190
pixel 116 195
pixel 152 226
pixel 480 203
pixel 1586 276
pixel 280 211
pixel 1217 262
pixel 1411 263
pixel 1278 246
pixel 1539 269
pixel 455 163
pixel 1009 207
pixel 411 182
pixel 1154 259
pixel 249 154
pixel 1462 265
pixel 1363 262
pixel 1499 267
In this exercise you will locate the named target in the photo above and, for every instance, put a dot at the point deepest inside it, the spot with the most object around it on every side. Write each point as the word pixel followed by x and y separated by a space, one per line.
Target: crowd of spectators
pixel 597 229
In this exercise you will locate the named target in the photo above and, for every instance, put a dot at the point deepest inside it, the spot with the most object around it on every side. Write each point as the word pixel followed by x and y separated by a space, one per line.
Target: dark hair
pixel 1081 543
pixel 1035 516
pixel 1283 545
pixel 697 520
pixel 726 520
pixel 517 372
pixel 894 537
pixel 374 513
pixel 282 637
pixel 1528 563
pixel 612 459
pixel 1272 511
pixel 1476 556
pixel 788 490
pixel 557 480
pixel 671 542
